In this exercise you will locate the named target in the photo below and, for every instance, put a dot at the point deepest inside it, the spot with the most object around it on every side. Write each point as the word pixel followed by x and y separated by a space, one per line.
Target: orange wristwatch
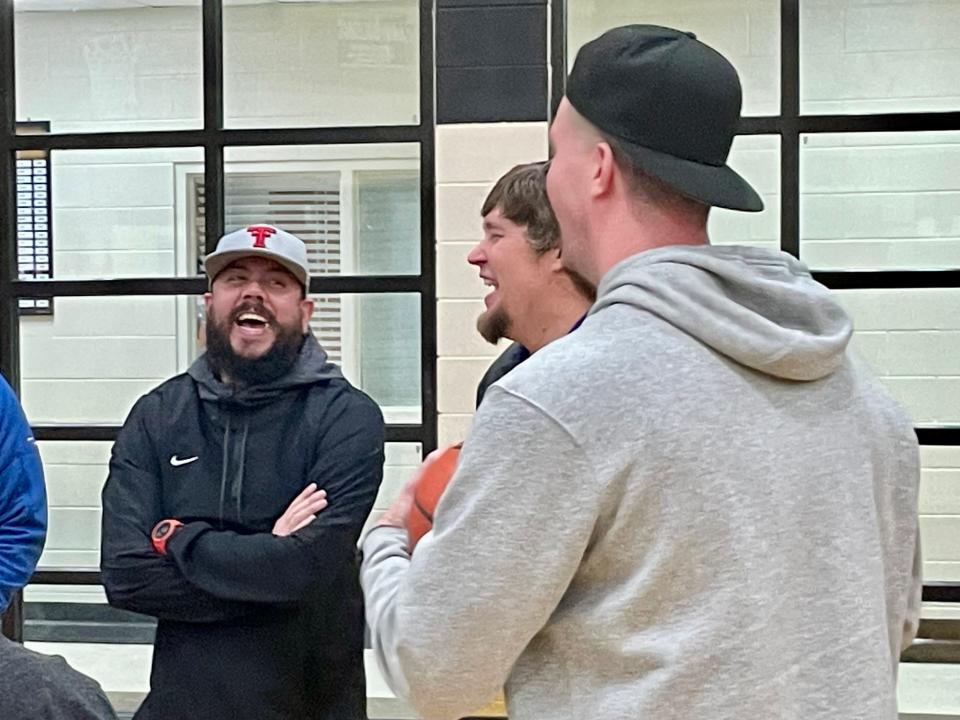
pixel 162 532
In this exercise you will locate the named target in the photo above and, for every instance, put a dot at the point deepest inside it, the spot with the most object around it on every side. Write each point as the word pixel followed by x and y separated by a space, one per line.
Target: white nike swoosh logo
pixel 177 462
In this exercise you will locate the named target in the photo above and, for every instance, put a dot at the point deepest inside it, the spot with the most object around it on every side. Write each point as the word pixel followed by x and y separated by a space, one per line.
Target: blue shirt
pixel 23 498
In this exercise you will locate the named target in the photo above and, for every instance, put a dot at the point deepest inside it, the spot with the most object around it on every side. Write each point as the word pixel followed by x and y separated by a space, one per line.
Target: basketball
pixel 434 475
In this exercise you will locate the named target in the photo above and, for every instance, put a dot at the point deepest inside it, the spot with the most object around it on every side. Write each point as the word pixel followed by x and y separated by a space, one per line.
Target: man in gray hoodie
pixel 696 506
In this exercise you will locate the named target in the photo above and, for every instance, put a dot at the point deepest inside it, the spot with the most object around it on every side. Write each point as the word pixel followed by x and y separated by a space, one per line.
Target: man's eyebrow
pixel 491 225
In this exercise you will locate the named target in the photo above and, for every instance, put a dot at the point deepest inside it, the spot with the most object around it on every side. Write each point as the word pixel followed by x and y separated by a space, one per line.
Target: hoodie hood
pixel 311 367
pixel 760 308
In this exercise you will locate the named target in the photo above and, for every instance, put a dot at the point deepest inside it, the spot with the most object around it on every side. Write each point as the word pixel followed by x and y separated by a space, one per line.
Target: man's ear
pixel 306 312
pixel 604 169
pixel 555 259
pixel 207 301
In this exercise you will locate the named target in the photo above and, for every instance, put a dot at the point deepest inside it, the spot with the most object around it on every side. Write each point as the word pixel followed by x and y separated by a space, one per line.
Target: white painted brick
pixel 457 334
pixel 458 211
pixel 457 380
pixel 105 317
pixel 880 82
pixel 456 278
pixel 903 140
pixel 911 353
pixel 764 24
pixel 99 358
pixel 82 401
pixel 939 456
pixel 940 493
pixel 55 558
pixel 946 611
pixel 73 529
pixel 940 535
pixel 104 229
pixel 130 156
pixel 482 153
pixel 121 69
pixel 74 485
pixel 890 215
pixel 822 29
pixel 70 452
pixel 453 427
pixel 933 401
pixel 924 309
pixel 172 97
pixel 119 186
pixel 941 571
pixel 82 265
pixel 65 593
pixel 892 254
pixel 881 169
pixel 903 26
pixel 168 53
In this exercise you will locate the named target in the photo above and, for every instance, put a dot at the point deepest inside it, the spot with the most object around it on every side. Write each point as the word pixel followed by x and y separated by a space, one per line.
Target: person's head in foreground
pixel 639 146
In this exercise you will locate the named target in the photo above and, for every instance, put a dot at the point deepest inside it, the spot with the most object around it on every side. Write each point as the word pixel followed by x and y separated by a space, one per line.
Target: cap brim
pixel 716 185
pixel 215 262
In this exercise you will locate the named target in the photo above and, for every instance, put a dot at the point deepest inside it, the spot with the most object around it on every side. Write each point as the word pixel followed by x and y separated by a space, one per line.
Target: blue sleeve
pixel 23 498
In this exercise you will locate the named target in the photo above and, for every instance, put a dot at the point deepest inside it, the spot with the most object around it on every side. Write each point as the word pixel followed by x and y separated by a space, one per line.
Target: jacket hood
pixel 760 308
pixel 311 367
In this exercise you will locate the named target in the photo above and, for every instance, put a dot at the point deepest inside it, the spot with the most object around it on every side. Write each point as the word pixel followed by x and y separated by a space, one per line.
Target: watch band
pixel 162 532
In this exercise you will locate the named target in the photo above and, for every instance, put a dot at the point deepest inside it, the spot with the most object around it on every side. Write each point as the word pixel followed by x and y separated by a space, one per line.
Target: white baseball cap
pixel 260 241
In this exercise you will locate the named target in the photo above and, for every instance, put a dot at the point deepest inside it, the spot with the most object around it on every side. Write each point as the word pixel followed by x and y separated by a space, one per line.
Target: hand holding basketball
pixel 429 485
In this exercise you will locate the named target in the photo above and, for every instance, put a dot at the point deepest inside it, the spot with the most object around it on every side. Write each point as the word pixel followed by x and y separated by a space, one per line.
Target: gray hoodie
pixel 694 506
pixel 45 687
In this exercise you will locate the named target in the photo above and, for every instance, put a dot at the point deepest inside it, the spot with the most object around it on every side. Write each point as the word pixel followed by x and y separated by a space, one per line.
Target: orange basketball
pixel 435 473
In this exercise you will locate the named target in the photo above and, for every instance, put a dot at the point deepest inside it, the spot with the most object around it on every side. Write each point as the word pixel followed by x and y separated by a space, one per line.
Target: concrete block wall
pixel 940 513
pixel 879 56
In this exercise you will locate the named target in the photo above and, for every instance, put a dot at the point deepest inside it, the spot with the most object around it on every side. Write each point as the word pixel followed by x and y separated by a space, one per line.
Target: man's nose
pixel 253 290
pixel 477 256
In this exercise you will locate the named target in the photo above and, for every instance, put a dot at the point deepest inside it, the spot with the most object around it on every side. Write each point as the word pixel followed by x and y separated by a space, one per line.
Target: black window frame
pixel 213 137
pixel 790 125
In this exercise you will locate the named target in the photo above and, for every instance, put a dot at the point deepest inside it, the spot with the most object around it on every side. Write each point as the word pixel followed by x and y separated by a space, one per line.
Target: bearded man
pixel 212 517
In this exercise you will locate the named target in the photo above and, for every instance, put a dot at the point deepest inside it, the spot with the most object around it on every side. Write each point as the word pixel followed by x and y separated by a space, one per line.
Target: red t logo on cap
pixel 260 233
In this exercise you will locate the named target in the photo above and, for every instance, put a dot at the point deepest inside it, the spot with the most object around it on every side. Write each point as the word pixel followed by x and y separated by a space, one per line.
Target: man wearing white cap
pixel 212 517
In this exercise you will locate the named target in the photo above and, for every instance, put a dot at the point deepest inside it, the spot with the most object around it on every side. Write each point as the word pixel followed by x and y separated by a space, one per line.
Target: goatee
pixel 493 325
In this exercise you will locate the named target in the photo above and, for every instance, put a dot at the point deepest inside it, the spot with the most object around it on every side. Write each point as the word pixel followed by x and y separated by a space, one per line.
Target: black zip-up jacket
pixel 251 626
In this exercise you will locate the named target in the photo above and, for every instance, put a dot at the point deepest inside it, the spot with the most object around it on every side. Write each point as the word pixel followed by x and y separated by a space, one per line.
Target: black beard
pixel 271 366
pixel 493 325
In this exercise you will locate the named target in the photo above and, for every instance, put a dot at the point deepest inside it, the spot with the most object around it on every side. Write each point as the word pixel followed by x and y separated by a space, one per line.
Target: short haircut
pixel 645 186
pixel 521 196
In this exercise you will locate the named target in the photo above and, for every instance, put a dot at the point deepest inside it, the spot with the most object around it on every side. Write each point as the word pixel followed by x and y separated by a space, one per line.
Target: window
pixel 150 167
